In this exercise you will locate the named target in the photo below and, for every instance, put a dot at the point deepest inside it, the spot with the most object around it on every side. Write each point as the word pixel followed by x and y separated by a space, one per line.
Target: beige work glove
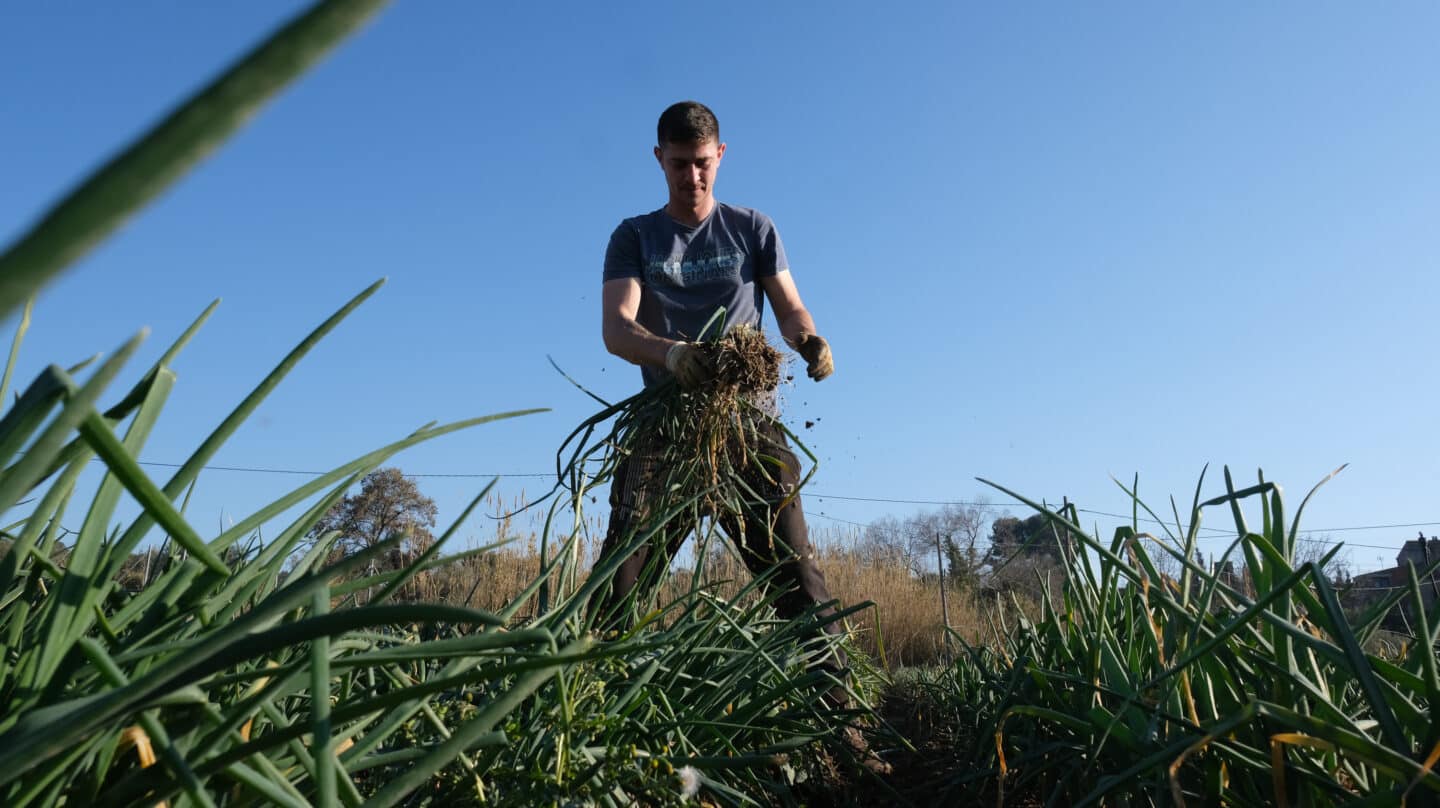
pixel 816 352
pixel 688 365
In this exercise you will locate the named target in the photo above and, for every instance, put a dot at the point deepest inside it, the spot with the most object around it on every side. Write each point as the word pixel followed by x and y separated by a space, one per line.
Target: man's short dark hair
pixel 687 122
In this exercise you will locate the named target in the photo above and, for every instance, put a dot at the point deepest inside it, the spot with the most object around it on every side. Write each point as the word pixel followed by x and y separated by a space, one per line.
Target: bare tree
pixel 1164 553
pixel 960 529
pixel 888 540
pixel 911 541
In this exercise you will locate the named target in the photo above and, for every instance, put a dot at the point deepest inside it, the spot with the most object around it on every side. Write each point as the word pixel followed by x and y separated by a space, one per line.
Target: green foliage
pixel 1146 689
pixel 140 172
pixel 237 672
pixel 1035 536
pixel 268 683
pixel 213 669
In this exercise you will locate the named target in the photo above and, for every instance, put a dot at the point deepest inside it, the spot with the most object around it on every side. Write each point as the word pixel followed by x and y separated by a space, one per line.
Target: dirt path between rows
pixel 923 763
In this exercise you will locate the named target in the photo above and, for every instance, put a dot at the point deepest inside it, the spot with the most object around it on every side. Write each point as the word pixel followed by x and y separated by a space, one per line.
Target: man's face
pixel 690 169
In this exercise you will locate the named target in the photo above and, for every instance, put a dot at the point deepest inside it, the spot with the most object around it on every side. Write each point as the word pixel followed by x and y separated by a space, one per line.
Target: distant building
pixel 1370 587
pixel 1226 573
pixel 1419 552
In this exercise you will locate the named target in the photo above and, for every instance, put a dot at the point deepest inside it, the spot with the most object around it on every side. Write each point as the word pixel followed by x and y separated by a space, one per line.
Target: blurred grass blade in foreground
pixel 132 178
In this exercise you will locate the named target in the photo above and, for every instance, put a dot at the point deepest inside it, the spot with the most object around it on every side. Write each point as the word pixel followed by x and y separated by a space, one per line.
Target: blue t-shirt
pixel 686 273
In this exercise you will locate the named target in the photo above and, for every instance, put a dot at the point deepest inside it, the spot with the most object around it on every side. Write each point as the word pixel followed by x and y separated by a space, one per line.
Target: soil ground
pixel 927 762
pixel 922 760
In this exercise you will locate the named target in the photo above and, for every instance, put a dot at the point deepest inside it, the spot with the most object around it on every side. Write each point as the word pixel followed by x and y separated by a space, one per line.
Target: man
pixel 666 273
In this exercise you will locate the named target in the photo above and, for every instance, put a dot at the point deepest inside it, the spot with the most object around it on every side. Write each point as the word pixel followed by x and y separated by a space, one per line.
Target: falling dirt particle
pixel 809 424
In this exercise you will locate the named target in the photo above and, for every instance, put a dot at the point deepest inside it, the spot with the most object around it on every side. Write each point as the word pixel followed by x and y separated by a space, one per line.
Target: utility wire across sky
pixel 820 495
pixel 1304 534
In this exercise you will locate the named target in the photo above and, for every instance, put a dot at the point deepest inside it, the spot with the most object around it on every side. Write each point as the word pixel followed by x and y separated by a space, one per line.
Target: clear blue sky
pixel 1049 244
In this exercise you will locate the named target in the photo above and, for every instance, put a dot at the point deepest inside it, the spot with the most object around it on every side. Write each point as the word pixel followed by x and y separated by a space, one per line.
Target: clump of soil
pixel 744 361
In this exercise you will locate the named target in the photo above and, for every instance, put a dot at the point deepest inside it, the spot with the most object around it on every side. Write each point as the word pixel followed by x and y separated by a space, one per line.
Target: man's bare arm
pixel 790 312
pixel 624 336
pixel 797 327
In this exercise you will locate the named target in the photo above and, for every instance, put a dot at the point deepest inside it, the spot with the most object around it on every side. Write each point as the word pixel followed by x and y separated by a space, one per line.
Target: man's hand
pixel 816 352
pixel 688 365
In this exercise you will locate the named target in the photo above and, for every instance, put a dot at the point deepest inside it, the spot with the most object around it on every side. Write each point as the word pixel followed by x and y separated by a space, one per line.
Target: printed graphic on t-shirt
pixel 686 270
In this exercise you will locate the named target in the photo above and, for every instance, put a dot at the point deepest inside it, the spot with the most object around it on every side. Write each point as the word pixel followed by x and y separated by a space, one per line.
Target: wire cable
pixel 257 470
pixel 1224 533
